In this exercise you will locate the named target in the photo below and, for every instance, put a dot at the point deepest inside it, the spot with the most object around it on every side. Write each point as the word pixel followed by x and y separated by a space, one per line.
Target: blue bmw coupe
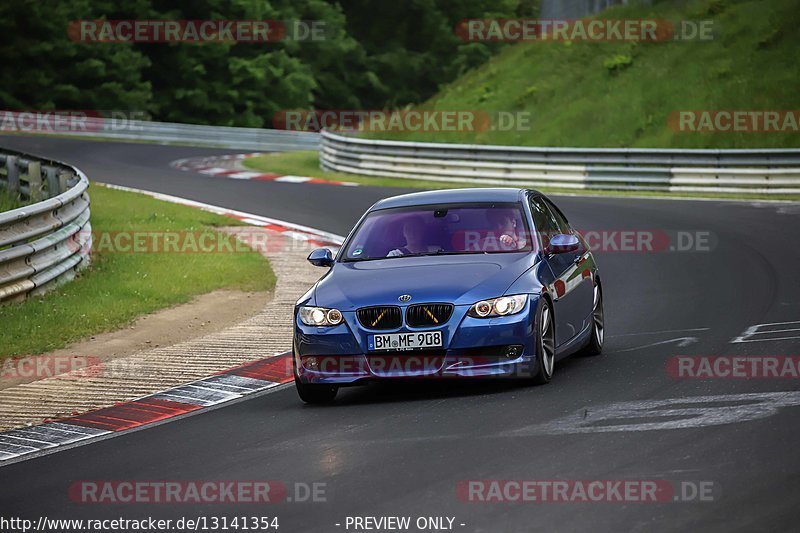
pixel 451 283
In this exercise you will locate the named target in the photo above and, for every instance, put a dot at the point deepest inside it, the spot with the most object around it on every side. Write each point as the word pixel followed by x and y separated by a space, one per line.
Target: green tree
pixel 374 55
pixel 42 68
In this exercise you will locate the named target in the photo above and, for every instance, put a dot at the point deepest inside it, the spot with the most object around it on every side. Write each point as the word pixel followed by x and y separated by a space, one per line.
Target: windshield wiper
pixel 440 251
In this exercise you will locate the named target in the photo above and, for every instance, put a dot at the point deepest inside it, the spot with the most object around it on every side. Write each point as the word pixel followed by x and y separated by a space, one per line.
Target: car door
pixel 572 289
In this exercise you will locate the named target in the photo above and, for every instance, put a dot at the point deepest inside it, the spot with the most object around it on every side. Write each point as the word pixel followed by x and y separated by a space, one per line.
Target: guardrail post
pixel 53 186
pixel 63 180
pixel 13 175
pixel 35 180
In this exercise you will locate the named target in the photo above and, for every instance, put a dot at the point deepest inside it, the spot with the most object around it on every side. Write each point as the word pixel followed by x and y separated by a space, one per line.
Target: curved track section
pixel 389 450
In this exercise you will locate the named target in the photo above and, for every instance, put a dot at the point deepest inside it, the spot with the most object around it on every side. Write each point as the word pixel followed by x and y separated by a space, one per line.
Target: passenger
pixel 504 234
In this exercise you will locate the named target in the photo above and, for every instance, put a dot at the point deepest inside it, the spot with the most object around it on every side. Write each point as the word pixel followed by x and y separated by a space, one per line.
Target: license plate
pixel 405 341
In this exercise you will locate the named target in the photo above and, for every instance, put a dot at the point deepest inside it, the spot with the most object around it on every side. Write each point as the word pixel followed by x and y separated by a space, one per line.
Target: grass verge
pixel 7 201
pixel 121 286
pixel 307 164
pixel 622 93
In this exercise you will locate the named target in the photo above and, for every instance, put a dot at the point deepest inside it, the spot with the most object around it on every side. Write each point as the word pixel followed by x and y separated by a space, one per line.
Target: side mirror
pixel 563 243
pixel 321 257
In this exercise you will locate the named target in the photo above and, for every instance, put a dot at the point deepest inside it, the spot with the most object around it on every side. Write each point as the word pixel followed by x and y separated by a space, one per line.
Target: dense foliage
pixel 375 54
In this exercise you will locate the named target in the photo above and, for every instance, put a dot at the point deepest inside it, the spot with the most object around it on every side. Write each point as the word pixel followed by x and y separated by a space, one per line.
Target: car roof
pixel 452 196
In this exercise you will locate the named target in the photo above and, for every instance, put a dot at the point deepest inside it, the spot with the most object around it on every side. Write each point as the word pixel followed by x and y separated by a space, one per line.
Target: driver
pixel 414 234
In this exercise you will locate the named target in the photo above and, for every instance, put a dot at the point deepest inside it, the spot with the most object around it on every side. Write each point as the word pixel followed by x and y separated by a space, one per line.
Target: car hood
pixel 460 279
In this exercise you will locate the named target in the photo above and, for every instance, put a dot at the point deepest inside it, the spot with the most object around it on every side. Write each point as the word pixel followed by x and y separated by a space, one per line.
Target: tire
pixel 597 336
pixel 545 343
pixel 315 394
pixel 311 392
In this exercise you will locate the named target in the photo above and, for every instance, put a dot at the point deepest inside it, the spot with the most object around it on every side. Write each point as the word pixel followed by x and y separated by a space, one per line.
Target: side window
pixel 559 219
pixel 546 225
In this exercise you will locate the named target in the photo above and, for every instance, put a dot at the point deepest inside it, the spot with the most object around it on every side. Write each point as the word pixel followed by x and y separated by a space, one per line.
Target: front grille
pixel 428 315
pixel 383 317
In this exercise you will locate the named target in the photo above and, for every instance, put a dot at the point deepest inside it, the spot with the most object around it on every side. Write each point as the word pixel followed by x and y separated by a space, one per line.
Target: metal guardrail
pixel 42 244
pixel 764 171
pixel 255 139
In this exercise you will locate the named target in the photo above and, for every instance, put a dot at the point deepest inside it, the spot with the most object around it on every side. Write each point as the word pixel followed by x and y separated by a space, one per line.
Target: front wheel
pixel 545 344
pixel 315 393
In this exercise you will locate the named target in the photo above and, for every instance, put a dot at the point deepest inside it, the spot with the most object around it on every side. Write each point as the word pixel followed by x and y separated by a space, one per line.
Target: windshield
pixel 440 229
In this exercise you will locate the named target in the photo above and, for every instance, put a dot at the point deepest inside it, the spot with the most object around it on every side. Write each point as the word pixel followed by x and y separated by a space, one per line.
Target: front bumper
pixel 473 347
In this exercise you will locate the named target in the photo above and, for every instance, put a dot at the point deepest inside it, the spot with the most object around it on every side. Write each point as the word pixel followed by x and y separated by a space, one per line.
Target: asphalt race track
pixel 389 450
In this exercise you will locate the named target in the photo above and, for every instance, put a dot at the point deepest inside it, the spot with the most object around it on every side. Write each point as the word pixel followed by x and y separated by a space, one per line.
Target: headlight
pixel 320 316
pixel 502 306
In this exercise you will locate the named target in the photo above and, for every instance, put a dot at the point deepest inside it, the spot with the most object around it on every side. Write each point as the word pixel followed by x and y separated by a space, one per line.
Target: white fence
pixel 764 171
pixel 124 129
